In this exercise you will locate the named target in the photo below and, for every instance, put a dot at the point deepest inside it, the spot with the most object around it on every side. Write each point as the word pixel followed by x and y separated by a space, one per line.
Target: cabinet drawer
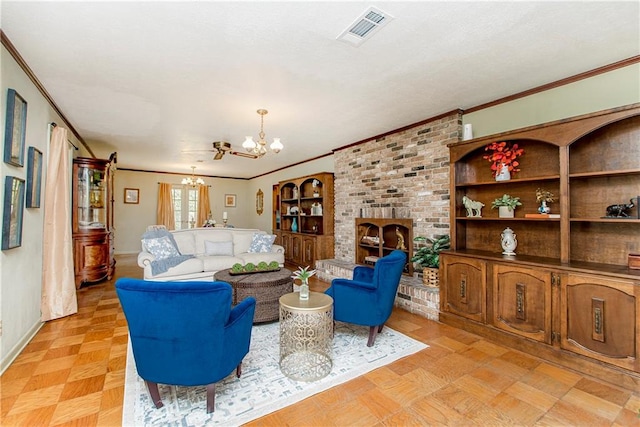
pixel 599 319
pixel 522 301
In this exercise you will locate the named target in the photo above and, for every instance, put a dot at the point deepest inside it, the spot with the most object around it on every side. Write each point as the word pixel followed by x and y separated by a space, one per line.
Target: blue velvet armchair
pixel 368 298
pixel 185 333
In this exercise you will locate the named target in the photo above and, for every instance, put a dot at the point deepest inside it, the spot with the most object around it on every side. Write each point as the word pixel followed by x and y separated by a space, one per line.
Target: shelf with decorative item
pixel 509 182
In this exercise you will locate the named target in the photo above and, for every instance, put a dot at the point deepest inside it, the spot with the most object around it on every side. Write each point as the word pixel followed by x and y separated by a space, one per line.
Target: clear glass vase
pixel 304 291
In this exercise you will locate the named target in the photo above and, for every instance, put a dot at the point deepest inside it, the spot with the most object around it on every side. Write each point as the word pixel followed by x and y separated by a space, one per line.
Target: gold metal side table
pixel 306 335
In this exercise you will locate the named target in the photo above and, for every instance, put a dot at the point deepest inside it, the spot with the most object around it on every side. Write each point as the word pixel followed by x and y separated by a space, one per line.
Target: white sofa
pixel 204 265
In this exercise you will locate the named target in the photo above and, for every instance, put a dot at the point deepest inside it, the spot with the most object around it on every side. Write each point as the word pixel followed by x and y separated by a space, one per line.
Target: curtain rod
pixel 54 124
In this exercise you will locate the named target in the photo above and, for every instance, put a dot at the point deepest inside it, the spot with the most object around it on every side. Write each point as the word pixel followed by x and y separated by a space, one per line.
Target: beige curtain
pixel 165 207
pixel 204 207
pixel 58 281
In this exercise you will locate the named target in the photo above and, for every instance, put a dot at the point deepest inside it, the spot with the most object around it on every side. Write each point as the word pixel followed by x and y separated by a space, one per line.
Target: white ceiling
pixel 152 79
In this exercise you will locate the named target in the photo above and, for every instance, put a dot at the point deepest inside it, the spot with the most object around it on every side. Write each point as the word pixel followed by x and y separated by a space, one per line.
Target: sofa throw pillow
pixel 161 247
pixel 218 248
pixel 262 242
pixel 155 234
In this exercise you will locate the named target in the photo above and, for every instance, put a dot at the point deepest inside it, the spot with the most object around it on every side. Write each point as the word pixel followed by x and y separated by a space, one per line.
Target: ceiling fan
pixel 220 148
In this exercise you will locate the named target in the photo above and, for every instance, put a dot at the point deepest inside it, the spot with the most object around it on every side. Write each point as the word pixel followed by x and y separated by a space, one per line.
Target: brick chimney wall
pixel 407 170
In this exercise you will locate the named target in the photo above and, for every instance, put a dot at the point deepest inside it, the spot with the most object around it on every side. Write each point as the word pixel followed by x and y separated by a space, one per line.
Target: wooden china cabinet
pixel 93 219
pixel 568 295
pixel 304 218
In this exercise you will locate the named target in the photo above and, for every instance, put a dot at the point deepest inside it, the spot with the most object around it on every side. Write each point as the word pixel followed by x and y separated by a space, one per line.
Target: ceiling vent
pixel 365 26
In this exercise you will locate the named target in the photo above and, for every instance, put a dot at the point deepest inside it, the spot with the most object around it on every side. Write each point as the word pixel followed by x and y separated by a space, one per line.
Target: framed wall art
pixel 230 200
pixel 34 177
pixel 15 129
pixel 132 195
pixel 13 211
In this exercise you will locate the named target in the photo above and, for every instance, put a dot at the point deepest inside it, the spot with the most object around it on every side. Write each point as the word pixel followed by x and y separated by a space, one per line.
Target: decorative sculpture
pixel 400 245
pixel 473 207
pixel 620 211
pixel 508 241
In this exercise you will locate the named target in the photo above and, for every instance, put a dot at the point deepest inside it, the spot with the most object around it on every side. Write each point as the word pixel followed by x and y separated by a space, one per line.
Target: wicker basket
pixel 430 277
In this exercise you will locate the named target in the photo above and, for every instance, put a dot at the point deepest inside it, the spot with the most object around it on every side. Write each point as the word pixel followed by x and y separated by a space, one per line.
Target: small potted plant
pixel 428 257
pixel 543 197
pixel 506 205
pixel 502 156
pixel 303 274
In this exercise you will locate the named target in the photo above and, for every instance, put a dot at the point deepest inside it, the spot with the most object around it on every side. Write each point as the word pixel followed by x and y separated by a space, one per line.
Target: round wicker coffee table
pixel 266 288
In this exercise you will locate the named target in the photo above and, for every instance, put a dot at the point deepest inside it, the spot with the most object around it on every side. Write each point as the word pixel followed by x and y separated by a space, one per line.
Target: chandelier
pixel 260 148
pixel 192 180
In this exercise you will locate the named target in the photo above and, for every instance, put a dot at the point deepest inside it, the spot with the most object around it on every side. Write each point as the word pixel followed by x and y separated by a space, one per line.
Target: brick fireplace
pixel 408 171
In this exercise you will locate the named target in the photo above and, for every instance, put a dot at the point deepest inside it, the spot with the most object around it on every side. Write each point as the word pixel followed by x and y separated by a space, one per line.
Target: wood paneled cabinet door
pixel 522 301
pixel 601 319
pixel 308 251
pixel 296 249
pixel 464 288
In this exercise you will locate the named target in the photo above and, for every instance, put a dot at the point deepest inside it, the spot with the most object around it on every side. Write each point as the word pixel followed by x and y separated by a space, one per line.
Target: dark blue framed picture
pixel 34 177
pixel 15 129
pixel 13 211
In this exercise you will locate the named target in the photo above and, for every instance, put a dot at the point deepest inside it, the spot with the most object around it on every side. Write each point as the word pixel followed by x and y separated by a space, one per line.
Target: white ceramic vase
pixel 503 174
pixel 508 241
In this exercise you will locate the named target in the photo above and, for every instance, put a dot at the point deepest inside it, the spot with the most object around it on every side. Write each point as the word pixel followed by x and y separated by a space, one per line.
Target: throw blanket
pixel 161 265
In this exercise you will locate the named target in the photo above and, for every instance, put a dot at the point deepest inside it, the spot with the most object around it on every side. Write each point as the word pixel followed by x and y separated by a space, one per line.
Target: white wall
pixel 613 89
pixel 131 220
pixel 21 267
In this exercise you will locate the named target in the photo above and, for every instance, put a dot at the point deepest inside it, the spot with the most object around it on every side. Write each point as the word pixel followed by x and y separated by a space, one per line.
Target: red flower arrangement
pixel 503 153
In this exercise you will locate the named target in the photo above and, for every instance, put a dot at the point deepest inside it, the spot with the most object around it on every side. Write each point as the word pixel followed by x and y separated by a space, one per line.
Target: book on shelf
pixel 371 259
pixel 539 215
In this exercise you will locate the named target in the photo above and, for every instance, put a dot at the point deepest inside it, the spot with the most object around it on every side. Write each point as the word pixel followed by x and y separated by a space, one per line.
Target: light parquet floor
pixel 72 374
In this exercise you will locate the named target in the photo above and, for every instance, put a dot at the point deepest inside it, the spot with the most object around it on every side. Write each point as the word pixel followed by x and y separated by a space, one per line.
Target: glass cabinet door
pixel 92 192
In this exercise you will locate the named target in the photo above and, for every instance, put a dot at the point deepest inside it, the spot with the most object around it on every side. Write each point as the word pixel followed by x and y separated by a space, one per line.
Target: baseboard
pixel 17 349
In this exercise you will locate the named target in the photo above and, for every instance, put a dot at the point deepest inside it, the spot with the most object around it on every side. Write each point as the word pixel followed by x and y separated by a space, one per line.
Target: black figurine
pixel 619 211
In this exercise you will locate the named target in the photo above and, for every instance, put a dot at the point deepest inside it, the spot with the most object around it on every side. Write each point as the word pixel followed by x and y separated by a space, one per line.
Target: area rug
pixel 262 388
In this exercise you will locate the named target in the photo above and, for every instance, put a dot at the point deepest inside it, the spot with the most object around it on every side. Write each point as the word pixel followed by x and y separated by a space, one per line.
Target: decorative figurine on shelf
pixel 620 211
pixel 543 197
pixel 400 245
pixel 474 208
pixel 508 241
pixel 316 190
pixel 316 209
pixel 210 222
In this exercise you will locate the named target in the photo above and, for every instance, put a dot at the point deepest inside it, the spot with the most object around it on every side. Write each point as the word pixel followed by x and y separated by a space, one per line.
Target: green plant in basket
pixel 237 268
pixel 274 265
pixel 429 256
pixel 250 266
pixel 263 266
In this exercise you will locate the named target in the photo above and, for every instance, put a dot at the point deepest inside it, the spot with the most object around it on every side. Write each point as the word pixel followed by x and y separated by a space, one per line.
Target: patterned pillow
pixel 218 248
pixel 262 242
pixel 161 247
